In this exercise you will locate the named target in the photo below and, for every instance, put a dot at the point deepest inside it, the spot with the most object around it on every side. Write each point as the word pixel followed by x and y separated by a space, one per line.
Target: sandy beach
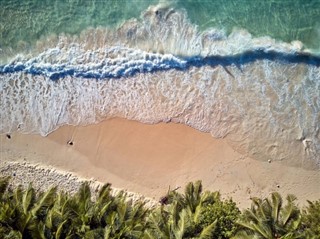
pixel 148 159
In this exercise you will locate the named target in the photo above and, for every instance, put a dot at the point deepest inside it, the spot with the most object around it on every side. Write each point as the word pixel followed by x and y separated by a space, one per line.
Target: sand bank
pixel 148 159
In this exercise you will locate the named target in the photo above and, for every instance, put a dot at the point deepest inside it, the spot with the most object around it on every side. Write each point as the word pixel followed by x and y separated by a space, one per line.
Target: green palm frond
pixel 69 209
pixel 122 212
pixel 13 235
pixel 264 210
pixel 44 201
pixel 206 232
pixel 251 215
pixel 192 195
pixel 197 214
pixel 28 198
pixel 245 235
pixel 101 211
pixel 36 230
pixel 4 182
pixel 60 229
pixel 83 197
pixel 94 234
pixel 159 224
pixel 276 205
pixel 210 197
pixel 311 220
pixel 264 230
pixel 104 192
pixel 107 232
pixel 247 226
pixel 290 211
pixel 269 218
pixel 84 192
pixel 148 234
pixel 181 225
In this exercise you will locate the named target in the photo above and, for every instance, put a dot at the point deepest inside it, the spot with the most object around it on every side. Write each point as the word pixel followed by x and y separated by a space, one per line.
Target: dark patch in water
pixel 167 64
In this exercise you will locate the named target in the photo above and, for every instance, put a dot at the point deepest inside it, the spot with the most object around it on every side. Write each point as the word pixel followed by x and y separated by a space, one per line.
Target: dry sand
pixel 148 159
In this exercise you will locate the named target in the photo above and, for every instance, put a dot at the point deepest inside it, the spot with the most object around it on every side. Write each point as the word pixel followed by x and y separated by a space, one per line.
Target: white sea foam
pixel 266 108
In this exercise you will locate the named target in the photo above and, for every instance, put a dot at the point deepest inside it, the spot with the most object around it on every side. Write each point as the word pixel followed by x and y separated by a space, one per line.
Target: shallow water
pixel 24 22
pixel 260 91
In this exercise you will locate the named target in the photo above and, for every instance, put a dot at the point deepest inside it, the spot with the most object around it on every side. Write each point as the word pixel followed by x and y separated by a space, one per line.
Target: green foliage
pixel 195 214
pixel 171 222
pixel 127 220
pixel 311 220
pixel 21 212
pixel 269 219
pixel 25 213
pixel 4 182
pixel 225 213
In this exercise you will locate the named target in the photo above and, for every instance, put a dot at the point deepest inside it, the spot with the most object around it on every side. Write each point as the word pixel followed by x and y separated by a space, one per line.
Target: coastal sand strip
pixel 148 159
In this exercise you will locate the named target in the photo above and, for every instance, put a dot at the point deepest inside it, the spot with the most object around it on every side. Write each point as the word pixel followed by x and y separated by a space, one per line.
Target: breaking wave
pixel 260 94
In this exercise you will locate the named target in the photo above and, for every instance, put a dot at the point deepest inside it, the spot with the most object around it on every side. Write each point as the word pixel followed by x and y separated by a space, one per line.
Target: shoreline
pixel 148 159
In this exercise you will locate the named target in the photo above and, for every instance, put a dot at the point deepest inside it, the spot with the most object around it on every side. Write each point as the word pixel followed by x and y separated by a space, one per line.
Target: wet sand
pixel 148 159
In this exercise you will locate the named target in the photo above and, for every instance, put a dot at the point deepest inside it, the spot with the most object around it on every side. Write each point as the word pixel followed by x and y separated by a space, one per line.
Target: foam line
pixel 154 63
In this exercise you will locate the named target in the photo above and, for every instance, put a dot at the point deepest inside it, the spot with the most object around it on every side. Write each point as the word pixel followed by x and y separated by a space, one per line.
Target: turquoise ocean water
pixel 287 20
pixel 244 70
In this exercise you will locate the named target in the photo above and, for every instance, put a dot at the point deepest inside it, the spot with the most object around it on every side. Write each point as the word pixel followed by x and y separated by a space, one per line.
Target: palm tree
pixel 78 216
pixel 193 196
pixel 127 219
pixel 270 219
pixel 109 216
pixel 22 211
pixel 168 222
pixel 57 220
pixel 311 220
pixel 71 216
pixel 6 212
pixel 180 217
